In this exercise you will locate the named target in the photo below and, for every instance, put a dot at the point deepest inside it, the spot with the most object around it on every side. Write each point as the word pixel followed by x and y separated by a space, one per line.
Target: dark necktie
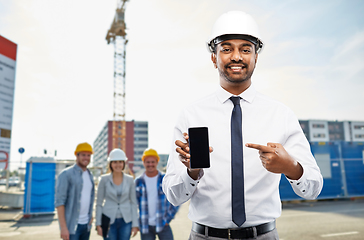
pixel 237 171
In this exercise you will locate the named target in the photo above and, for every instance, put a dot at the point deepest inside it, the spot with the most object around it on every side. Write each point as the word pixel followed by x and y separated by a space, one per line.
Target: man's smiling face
pixel 235 60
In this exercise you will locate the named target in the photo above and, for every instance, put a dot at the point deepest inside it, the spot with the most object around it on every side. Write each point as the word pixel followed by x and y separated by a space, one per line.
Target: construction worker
pixel 253 139
pixel 155 211
pixel 116 203
pixel 75 194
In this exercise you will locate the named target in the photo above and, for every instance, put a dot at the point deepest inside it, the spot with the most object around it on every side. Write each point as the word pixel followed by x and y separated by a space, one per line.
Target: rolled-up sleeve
pixel 171 212
pixel 61 189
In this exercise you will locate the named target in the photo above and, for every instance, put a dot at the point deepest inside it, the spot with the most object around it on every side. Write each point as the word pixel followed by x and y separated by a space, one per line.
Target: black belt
pixel 234 233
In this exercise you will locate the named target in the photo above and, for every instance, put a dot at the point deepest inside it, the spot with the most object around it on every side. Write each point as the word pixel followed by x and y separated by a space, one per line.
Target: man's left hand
pixel 276 160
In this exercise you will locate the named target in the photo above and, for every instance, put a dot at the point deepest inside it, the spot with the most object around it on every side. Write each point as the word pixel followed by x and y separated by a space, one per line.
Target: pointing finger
pixel 262 148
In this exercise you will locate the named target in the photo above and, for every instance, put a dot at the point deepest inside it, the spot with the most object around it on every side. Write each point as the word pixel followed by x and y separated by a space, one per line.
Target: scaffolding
pixel 117 36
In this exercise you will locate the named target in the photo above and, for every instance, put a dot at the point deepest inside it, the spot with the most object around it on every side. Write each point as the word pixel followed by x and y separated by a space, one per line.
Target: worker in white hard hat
pixel 254 140
pixel 116 204
pixel 154 210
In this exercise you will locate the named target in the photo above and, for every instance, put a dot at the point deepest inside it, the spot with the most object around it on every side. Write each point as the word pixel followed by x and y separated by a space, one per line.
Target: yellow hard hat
pixel 83 147
pixel 150 152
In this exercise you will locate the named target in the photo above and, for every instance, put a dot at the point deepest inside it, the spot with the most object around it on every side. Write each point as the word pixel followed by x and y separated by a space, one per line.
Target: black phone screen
pixel 199 147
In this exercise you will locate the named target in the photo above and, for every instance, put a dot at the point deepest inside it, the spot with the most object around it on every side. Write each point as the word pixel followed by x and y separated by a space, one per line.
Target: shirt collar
pixel 78 168
pixel 248 95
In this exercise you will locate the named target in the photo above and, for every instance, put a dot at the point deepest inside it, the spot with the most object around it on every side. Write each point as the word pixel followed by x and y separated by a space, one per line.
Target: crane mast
pixel 117 35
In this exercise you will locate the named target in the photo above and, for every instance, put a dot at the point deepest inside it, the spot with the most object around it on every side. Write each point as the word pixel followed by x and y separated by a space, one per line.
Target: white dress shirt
pixel 264 120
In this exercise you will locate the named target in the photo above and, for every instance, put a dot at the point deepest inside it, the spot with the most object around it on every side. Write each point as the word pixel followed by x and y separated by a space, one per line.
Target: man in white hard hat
pixel 255 139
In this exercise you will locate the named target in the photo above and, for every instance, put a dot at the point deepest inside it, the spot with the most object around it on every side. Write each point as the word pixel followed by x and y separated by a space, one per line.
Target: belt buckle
pixel 229 234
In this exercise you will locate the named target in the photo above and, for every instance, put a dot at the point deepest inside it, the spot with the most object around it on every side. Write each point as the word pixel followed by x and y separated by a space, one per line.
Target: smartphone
pixel 199 147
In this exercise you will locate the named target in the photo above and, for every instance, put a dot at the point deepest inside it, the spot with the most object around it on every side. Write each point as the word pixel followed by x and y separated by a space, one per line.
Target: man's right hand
pixel 65 234
pixel 184 156
pixel 183 150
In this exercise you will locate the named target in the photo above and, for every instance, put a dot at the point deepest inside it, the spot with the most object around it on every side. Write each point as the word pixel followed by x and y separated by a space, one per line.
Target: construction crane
pixel 117 36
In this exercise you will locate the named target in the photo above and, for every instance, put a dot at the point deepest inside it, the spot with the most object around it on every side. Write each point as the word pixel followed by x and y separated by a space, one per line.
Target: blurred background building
pixel 325 131
pixel 136 141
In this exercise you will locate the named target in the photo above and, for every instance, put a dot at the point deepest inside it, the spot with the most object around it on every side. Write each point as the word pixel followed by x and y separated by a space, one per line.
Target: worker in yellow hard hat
pixel 150 166
pixel 83 155
pixel 152 201
pixel 75 190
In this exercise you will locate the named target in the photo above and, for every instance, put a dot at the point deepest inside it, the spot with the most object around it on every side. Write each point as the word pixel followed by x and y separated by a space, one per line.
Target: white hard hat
pixel 117 155
pixel 234 25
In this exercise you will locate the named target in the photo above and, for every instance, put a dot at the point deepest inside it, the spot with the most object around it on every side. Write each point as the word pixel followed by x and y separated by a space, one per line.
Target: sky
pixel 312 61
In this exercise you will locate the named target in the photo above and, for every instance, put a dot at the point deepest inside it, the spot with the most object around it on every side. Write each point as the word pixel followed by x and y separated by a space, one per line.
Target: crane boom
pixel 117 36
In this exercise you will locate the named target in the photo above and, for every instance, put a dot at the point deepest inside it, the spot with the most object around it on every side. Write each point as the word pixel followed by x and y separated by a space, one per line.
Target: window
pixel 140 132
pixel 319 135
pixel 318 125
pixel 5 133
pixel 359 135
pixel 140 146
pixel 140 125
pixel 359 127
pixel 140 139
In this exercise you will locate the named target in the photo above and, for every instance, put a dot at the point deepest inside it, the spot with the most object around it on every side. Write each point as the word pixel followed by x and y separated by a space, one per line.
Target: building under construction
pixel 116 35
pixel 131 137
pixel 136 141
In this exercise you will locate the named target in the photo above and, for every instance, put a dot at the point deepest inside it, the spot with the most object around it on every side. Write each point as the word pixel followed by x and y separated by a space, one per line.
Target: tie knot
pixel 235 100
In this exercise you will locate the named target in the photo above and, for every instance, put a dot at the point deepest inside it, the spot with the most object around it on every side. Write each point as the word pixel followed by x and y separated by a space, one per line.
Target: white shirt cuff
pixel 191 184
pixel 301 183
